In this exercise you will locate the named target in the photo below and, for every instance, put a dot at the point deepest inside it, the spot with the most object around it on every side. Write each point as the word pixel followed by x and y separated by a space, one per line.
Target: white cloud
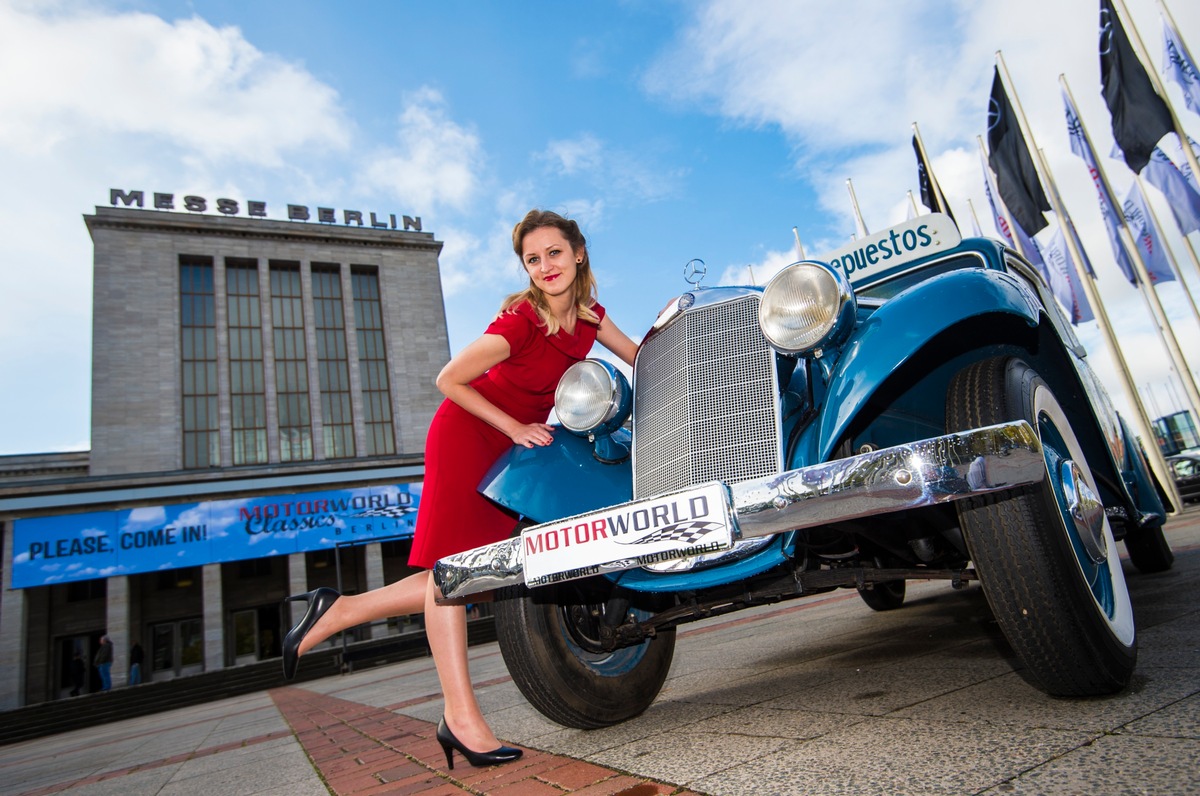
pixel 436 162
pixel 620 174
pixel 758 273
pixel 576 155
pixel 826 74
pixel 186 85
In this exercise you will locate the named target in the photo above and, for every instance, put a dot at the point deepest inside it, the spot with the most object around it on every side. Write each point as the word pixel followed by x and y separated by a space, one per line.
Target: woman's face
pixel 549 260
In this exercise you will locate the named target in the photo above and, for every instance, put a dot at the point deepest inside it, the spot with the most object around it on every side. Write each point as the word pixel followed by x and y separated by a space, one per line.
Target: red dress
pixel 461 448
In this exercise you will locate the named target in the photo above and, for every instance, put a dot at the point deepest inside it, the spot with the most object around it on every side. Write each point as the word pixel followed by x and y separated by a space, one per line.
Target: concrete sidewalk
pixel 816 696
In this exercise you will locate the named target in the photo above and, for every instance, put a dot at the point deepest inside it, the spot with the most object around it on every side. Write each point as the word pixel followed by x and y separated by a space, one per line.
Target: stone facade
pixel 136 377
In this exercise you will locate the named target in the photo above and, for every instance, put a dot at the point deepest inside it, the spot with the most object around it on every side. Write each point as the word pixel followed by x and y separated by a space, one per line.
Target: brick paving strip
pixel 361 750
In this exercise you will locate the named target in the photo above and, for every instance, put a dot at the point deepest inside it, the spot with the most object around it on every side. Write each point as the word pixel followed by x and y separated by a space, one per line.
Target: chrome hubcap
pixel 1086 511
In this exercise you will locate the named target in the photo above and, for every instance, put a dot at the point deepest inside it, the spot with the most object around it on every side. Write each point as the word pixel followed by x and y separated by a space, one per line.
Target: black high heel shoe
pixel 503 754
pixel 319 601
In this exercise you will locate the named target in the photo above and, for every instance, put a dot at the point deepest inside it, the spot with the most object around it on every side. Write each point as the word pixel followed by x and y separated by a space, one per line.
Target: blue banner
pixel 71 547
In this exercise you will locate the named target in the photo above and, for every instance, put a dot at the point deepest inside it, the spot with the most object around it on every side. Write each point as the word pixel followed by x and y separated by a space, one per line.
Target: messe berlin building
pixel 261 392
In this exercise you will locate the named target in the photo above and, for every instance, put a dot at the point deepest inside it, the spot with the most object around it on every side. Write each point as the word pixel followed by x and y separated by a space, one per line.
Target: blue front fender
pixel 559 480
pixel 900 328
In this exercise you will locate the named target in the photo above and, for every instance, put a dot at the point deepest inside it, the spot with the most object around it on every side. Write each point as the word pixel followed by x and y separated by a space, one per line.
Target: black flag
pixel 928 197
pixel 1016 177
pixel 1139 116
pixel 931 197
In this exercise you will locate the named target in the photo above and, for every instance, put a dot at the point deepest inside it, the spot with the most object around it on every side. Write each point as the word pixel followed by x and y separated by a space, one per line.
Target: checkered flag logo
pixel 688 532
pixel 388 511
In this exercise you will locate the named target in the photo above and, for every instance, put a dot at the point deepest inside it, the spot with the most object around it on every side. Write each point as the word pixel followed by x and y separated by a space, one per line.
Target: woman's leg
pixel 405 596
pixel 446 630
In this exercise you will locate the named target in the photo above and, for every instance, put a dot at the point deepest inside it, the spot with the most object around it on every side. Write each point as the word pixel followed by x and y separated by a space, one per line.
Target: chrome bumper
pixel 938 470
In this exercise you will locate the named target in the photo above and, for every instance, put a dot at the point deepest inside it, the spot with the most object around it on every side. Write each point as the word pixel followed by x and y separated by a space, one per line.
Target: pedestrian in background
pixel 136 656
pixel 78 673
pixel 103 662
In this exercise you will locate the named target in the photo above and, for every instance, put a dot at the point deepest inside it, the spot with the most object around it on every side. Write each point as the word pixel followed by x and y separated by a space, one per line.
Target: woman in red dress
pixel 499 391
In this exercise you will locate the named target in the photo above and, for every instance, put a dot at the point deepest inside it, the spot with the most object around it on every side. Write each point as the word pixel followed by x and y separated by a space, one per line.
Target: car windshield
pixel 893 287
pixel 1186 467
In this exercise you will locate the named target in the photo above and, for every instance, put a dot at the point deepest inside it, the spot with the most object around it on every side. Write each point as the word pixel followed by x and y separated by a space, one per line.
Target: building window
pixel 83 590
pixel 291 363
pixel 254 568
pixel 183 578
pixel 372 362
pixel 247 392
pixel 198 329
pixel 333 364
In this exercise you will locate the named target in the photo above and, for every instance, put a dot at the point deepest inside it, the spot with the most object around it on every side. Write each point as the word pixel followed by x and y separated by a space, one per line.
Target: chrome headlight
pixel 593 397
pixel 806 308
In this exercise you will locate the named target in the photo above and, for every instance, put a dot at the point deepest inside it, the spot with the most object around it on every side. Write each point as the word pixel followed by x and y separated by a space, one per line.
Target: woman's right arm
pixel 469 364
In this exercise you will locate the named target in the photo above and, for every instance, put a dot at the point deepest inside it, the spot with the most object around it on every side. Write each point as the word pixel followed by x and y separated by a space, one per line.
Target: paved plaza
pixel 816 696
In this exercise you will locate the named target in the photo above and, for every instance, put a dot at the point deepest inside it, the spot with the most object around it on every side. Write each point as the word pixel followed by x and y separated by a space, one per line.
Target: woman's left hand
pixel 531 434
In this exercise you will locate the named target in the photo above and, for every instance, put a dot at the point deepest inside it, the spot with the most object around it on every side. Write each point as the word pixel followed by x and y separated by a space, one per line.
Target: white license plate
pixel 663 528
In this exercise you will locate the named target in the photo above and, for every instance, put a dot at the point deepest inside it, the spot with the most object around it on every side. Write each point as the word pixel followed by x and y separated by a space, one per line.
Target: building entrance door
pixel 256 634
pixel 176 648
pixel 77 678
pixel 245 637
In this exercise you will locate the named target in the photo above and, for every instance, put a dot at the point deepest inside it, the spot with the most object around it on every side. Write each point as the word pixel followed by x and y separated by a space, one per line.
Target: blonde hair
pixel 584 287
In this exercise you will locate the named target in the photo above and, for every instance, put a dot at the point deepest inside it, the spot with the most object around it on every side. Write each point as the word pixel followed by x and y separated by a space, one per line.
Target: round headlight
pixel 592 397
pixel 803 308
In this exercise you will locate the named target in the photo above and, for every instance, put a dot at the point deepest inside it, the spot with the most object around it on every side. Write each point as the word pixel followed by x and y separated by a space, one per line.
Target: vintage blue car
pixel 915 407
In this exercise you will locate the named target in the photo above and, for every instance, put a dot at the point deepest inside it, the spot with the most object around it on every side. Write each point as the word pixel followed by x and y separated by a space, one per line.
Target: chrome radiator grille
pixel 705 401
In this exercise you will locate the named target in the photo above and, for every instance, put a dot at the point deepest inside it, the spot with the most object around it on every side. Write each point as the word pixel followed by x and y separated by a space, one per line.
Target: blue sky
pixel 670 130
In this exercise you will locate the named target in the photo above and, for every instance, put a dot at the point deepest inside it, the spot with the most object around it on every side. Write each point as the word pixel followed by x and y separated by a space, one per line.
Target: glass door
pixel 176 649
pixel 245 637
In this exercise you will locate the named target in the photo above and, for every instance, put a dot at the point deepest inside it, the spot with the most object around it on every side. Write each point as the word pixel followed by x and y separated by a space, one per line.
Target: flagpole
pixel 912 203
pixel 1192 254
pixel 974 215
pixel 799 245
pixel 1022 123
pixel 858 219
pixel 1002 208
pixel 1161 90
pixel 1144 286
pixel 933 183
pixel 1140 418
pixel 1187 291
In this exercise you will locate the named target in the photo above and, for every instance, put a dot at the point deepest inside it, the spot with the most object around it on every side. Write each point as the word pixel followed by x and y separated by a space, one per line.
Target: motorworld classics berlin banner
pixel 71 547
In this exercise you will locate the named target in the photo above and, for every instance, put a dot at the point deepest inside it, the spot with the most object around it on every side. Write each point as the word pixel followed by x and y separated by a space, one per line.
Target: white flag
pixel 1108 210
pixel 1181 196
pixel 1178 65
pixel 1064 279
pixel 1146 236
pixel 1186 165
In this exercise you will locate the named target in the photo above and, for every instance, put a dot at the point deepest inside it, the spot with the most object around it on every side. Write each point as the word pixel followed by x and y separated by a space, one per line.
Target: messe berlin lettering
pixel 72 547
pixel 255 209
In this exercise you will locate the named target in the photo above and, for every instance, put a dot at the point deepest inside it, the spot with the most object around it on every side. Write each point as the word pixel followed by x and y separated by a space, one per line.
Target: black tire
pixel 553 655
pixel 1054 583
pixel 886 596
pixel 1148 549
